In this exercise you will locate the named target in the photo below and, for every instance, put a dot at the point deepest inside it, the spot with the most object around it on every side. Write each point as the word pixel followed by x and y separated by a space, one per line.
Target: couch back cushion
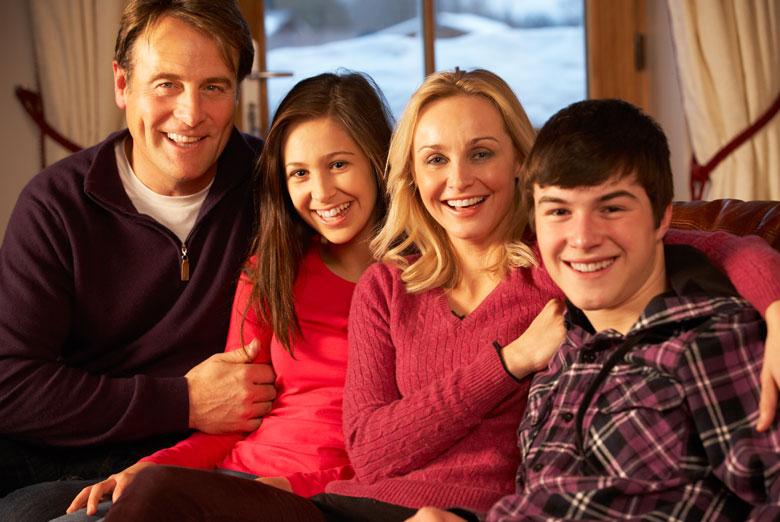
pixel 742 218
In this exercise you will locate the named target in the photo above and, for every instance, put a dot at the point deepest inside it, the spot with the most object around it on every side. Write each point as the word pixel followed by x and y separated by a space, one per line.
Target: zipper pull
pixel 185 263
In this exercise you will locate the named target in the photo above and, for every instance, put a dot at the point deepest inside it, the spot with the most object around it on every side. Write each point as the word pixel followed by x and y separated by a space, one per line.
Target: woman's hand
pixel 430 514
pixel 91 496
pixel 532 351
pixel 277 482
pixel 770 371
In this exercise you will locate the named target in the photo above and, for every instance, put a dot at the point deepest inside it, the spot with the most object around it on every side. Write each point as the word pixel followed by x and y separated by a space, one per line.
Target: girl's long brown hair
pixel 353 100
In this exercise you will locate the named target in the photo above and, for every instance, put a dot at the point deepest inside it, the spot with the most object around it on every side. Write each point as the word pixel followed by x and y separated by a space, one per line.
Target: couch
pixel 742 218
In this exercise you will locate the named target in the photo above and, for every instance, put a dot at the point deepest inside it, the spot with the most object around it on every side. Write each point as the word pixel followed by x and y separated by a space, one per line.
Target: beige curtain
pixel 728 55
pixel 74 46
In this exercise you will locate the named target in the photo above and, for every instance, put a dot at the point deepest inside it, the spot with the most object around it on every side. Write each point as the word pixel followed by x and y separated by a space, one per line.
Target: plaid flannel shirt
pixel 666 433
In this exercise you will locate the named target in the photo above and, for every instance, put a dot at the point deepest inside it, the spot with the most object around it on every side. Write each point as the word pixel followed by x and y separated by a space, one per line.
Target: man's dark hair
pixel 219 19
pixel 591 141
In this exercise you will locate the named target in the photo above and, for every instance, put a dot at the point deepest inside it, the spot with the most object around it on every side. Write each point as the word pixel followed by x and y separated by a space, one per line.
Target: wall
pixel 19 141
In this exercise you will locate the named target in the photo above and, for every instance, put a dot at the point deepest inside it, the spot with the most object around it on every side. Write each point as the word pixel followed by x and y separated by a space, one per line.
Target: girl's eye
pixel 338 165
pixel 297 174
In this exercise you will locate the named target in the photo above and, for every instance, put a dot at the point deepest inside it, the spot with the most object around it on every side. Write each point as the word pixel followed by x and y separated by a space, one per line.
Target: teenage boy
pixel 648 410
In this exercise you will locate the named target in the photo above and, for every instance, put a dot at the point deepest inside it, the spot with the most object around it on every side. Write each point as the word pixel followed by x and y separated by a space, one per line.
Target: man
pixel 647 411
pixel 119 264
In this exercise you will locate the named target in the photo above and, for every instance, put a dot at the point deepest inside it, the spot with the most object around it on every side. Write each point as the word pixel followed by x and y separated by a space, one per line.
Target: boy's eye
pixel 611 209
pixel 557 212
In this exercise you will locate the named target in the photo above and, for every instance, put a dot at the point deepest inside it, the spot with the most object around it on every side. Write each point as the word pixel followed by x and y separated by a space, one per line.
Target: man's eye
pixel 215 88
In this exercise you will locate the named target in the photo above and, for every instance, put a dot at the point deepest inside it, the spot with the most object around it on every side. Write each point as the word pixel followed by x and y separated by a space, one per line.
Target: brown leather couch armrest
pixel 742 218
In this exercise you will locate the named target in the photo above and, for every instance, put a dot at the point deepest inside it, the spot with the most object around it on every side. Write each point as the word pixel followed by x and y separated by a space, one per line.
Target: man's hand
pixel 429 514
pixel 770 371
pixel 229 393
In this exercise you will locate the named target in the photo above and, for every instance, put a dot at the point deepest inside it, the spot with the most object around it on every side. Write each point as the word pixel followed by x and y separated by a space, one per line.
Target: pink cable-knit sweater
pixel 430 414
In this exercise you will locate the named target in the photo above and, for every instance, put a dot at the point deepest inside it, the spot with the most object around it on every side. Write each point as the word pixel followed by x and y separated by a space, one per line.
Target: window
pixel 537 46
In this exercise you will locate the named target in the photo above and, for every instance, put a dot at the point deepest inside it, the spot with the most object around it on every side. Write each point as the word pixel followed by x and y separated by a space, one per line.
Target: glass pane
pixel 376 37
pixel 537 46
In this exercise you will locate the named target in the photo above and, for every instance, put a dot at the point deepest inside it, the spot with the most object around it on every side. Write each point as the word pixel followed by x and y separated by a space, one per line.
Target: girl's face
pixel 465 168
pixel 329 180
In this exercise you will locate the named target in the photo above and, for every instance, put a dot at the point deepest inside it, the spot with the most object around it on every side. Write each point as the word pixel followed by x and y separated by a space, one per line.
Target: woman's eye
pixel 297 174
pixel 436 160
pixel 482 154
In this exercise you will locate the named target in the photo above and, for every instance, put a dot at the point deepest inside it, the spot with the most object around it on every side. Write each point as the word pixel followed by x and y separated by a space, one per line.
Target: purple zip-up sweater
pixel 97 327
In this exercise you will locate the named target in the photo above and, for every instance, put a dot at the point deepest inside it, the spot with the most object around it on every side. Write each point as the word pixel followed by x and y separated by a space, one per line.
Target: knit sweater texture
pixel 430 415
pixel 97 327
pixel 301 438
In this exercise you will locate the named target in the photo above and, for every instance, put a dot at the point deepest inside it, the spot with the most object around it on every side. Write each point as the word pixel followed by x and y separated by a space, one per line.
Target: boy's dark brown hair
pixel 591 141
pixel 355 102
pixel 219 19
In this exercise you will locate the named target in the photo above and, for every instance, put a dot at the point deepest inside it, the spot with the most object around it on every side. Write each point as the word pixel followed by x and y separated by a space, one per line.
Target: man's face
pixel 600 245
pixel 179 100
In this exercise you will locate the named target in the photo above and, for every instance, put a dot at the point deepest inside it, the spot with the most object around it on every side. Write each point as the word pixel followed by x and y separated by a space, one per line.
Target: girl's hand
pixel 91 496
pixel 277 482
pixel 532 351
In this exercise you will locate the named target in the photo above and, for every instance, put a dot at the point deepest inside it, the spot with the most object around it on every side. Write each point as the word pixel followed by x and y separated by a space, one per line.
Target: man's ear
pixel 666 221
pixel 120 85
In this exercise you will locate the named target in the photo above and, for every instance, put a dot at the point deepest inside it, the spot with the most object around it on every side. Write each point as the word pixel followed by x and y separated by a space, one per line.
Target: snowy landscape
pixel 536 46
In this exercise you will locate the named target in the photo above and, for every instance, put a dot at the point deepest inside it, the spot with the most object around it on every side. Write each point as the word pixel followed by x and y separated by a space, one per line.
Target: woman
pixel 442 334
pixel 320 193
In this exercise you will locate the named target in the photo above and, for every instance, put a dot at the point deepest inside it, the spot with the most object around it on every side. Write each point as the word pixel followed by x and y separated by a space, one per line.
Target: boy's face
pixel 600 245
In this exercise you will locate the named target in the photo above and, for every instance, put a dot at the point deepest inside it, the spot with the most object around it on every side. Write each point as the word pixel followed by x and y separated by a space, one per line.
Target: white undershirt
pixel 177 213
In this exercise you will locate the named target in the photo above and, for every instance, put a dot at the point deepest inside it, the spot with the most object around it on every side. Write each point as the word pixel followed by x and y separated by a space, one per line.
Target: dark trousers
pixel 24 464
pixel 39 482
pixel 163 493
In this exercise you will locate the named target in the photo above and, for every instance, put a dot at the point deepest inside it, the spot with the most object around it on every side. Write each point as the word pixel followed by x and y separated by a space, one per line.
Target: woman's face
pixel 465 168
pixel 329 180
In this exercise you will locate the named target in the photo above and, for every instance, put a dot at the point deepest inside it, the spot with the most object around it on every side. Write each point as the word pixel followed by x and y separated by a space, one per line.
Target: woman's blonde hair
pixel 409 228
